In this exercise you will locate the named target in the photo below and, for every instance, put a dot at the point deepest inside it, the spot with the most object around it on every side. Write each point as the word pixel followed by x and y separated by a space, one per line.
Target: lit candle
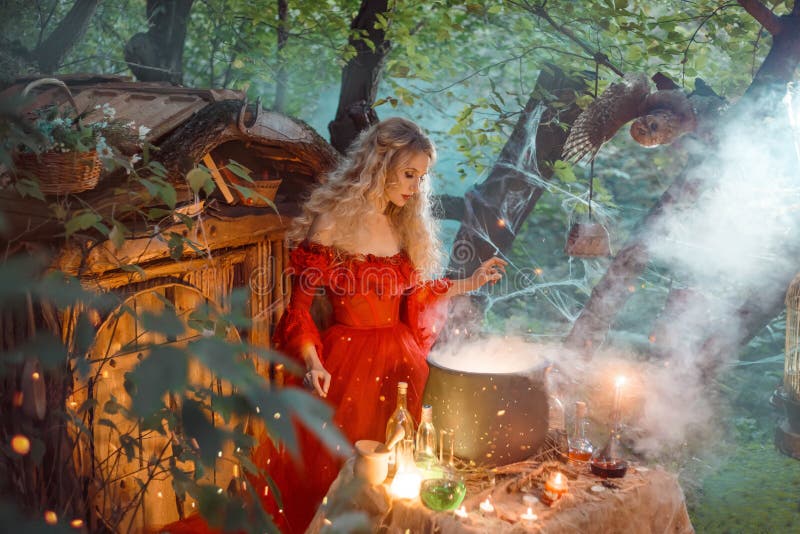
pixel 618 383
pixel 487 506
pixel 405 484
pixel 529 515
pixel 555 487
pixel 461 512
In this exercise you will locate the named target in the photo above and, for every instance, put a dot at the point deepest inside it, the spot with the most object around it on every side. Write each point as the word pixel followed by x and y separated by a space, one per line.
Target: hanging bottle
pixel 580 448
pixel 557 424
pixel 425 456
pixel 400 418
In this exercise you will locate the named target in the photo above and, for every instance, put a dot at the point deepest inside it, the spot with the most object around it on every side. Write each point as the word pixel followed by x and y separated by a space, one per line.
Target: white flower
pixel 143 131
pixel 104 151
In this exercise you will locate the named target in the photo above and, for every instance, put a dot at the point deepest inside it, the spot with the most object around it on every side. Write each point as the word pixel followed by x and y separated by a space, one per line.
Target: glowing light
pixel 461 512
pixel 405 484
pixel 258 409
pixel 327 521
pixel 266 491
pixel 36 375
pixel 50 517
pixel 276 415
pixel 529 515
pixel 538 271
pixel 219 491
pixel 160 495
pixel 21 444
pixel 555 487
pixel 76 523
pixel 486 506
pixel 501 223
pixel 18 396
pixel 193 504
pixel 501 412
pixel 219 454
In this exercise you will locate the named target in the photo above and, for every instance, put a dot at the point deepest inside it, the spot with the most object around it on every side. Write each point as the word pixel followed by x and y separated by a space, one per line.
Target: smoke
pixel 737 240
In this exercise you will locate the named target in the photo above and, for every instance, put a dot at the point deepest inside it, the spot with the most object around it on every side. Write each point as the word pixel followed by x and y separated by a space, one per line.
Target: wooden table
pixel 646 501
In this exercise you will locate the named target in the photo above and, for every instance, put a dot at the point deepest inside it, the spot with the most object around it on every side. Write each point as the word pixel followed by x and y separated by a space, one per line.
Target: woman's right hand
pixel 319 377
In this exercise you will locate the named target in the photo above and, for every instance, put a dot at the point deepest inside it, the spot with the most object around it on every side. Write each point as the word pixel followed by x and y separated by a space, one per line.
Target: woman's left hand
pixel 491 270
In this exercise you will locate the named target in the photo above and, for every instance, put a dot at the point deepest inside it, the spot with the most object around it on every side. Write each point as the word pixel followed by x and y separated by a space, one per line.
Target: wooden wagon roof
pixel 186 124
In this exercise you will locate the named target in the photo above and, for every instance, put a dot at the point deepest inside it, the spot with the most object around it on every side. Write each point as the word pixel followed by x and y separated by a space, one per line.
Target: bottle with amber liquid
pixel 580 448
pixel 400 418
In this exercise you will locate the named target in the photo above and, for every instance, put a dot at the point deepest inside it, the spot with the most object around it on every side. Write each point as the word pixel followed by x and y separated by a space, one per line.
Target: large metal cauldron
pixel 497 418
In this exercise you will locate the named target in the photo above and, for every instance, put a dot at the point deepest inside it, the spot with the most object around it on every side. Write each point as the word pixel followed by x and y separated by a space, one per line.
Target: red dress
pixel 385 320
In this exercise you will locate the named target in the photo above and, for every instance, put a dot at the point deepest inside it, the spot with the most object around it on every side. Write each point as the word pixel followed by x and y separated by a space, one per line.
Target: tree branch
pixel 541 12
pixel 764 15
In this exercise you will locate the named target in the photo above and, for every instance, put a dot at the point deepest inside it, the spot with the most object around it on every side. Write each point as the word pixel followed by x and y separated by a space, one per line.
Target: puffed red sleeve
pixel 425 310
pixel 310 266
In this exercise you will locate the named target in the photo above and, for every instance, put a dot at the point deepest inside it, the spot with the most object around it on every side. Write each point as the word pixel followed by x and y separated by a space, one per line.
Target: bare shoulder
pixel 321 230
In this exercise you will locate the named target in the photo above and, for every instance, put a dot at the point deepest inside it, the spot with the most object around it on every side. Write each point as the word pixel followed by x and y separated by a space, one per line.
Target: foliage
pixel 63 133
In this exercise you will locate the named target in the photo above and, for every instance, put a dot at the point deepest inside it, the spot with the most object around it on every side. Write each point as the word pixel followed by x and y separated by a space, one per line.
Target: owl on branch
pixel 658 117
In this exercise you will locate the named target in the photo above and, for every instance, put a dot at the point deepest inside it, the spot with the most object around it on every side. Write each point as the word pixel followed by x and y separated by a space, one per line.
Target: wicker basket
pixel 266 188
pixel 59 173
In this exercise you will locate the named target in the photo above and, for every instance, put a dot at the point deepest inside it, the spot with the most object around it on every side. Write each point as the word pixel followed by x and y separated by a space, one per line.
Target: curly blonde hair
pixel 357 188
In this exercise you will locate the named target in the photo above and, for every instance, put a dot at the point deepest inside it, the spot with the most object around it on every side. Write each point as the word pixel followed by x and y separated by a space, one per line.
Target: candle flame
pixel 405 484
pixel 461 512
pixel 620 381
pixel 487 506
pixel 529 515
pixel 50 517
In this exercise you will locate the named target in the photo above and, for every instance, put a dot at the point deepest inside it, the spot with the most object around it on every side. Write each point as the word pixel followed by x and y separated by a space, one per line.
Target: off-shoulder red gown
pixel 385 320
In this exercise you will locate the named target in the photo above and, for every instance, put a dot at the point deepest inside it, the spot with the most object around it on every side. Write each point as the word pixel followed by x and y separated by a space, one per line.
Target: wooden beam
pixel 209 234
pixel 113 279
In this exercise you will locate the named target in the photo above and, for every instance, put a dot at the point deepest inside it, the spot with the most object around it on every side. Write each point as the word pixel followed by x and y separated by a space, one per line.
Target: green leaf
pixel 563 171
pixel 167 323
pixel 163 370
pixel 239 170
pixel 28 188
pixel 197 425
pixel 197 179
pixel 81 222
pixel 117 235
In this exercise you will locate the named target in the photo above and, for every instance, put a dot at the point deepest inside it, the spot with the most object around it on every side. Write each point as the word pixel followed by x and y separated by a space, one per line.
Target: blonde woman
pixel 366 239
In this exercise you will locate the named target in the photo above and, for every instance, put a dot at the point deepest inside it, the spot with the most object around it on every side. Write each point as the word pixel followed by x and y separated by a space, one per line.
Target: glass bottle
pixel 580 448
pixel 557 424
pixel 425 455
pixel 400 418
pixel 608 461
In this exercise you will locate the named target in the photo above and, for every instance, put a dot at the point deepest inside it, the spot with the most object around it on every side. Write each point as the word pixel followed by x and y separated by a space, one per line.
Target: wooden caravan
pixel 239 245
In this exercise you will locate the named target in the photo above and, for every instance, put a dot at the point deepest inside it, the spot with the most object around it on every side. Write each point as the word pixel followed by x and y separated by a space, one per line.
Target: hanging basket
pixel 588 240
pixel 59 173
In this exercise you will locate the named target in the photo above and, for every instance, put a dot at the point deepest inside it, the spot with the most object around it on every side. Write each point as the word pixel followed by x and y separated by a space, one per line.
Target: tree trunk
pixel 611 293
pixel 361 75
pixel 496 208
pixel 51 52
pixel 281 75
pixel 157 55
